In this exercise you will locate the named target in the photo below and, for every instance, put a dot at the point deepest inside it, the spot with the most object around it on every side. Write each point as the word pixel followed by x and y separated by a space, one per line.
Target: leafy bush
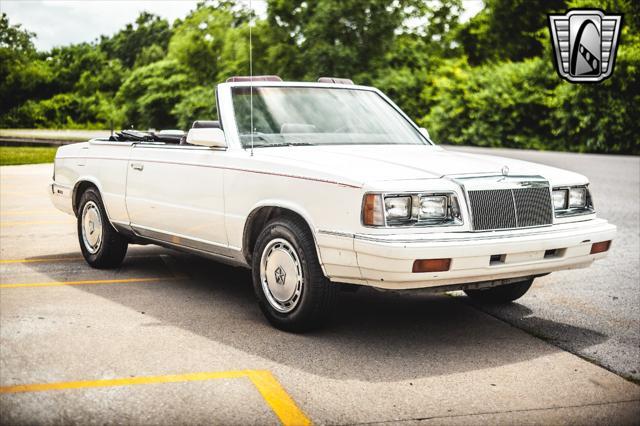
pixel 602 117
pixel 493 105
pixel 62 111
pixel 526 105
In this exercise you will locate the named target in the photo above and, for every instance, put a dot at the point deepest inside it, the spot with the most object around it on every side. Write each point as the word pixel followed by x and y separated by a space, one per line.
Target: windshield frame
pixel 227 115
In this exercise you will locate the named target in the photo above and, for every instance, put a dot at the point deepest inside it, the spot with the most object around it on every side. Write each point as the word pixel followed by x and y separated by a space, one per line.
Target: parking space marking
pixel 270 389
pixel 277 398
pixel 87 282
pixel 67 259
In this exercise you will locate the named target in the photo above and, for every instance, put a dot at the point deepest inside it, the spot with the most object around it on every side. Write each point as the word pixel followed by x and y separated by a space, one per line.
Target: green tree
pixel 21 76
pixel 198 103
pixel 416 53
pixel 68 64
pixel 127 44
pixel 342 38
pixel 489 81
pixel 150 94
pixel 200 39
pixel 149 55
pixel 508 30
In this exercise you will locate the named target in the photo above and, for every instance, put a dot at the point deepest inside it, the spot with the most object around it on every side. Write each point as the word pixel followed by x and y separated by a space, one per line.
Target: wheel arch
pixel 79 188
pixel 261 215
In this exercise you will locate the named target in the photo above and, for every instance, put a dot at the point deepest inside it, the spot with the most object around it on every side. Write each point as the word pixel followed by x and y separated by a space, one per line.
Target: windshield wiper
pixel 283 144
pixel 267 140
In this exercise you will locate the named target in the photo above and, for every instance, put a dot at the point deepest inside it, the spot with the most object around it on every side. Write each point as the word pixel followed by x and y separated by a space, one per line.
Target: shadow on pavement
pixel 558 333
pixel 374 336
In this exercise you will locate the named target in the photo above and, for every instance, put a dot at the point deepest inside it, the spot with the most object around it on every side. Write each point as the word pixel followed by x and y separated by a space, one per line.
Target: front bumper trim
pixel 386 260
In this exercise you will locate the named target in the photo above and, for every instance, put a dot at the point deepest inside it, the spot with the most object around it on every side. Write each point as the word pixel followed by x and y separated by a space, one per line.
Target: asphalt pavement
pixel 592 312
pixel 170 338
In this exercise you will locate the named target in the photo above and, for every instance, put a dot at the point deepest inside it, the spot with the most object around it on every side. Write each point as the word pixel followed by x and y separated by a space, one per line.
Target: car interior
pixel 177 137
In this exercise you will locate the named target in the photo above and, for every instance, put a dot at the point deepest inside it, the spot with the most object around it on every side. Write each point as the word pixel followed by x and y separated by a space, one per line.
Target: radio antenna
pixel 251 72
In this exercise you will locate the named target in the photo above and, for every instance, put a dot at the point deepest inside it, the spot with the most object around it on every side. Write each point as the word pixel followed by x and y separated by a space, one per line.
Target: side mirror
pixel 211 137
pixel 425 133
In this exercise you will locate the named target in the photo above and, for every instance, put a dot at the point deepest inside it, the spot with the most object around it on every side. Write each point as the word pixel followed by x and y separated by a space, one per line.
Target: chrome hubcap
pixel 91 227
pixel 281 275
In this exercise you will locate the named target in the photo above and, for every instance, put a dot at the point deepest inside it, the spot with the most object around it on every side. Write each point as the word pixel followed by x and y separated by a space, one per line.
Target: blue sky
pixel 62 22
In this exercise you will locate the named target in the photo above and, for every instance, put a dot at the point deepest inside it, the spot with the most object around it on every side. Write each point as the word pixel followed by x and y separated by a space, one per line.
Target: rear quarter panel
pixel 102 163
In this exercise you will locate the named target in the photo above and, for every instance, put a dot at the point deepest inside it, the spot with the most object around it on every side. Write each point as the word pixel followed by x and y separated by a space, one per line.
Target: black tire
pixel 318 294
pixel 502 294
pixel 112 248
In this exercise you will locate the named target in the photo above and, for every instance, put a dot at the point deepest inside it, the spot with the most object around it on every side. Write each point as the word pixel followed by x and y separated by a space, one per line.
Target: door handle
pixel 137 166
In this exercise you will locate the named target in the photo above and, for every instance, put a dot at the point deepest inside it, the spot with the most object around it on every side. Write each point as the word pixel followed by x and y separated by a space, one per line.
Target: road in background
pixel 48 137
pixel 592 312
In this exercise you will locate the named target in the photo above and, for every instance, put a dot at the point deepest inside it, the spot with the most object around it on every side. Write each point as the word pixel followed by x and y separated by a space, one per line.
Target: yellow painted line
pixel 86 282
pixel 66 259
pixel 277 398
pixel 271 390
pixel 4 224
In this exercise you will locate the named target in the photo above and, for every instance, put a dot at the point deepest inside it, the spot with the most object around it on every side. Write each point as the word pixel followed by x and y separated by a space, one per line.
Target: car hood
pixel 367 163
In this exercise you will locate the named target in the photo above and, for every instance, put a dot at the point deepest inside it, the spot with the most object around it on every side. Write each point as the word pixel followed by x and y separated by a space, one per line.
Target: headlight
pixel 433 207
pixel 577 197
pixel 572 201
pixel 560 199
pixel 413 209
pixel 397 208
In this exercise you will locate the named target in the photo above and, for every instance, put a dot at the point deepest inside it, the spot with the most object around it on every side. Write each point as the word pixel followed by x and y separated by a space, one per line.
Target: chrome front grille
pixel 510 208
pixel 533 207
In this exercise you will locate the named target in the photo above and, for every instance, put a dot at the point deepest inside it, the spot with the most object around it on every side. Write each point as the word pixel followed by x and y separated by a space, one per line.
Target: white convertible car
pixel 314 185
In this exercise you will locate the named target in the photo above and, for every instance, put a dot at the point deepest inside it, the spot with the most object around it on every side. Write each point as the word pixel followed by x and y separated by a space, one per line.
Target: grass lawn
pixel 12 155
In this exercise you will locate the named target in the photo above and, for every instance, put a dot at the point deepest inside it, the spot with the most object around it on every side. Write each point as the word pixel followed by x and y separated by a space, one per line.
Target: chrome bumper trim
pixel 471 235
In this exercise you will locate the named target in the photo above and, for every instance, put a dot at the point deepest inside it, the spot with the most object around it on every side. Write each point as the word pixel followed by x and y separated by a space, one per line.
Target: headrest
pixel 241 78
pixel 206 124
pixel 335 80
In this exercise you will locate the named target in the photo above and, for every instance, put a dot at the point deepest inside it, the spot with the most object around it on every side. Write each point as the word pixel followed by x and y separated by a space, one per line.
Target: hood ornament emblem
pixel 505 170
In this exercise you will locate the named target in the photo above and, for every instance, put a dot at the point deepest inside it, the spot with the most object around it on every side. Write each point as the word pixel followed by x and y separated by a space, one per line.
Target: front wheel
pixel 501 294
pixel 101 245
pixel 292 291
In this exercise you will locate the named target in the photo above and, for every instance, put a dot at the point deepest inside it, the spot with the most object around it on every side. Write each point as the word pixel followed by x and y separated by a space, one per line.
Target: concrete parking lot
pixel 170 338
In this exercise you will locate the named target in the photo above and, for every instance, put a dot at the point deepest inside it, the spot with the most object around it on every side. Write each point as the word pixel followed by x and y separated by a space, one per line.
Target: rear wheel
pixel 501 294
pixel 292 291
pixel 101 245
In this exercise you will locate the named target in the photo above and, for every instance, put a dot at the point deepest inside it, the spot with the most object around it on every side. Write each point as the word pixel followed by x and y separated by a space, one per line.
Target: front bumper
pixel 386 261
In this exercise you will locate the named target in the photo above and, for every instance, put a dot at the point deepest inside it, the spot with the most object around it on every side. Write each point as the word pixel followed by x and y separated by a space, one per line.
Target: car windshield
pixel 284 116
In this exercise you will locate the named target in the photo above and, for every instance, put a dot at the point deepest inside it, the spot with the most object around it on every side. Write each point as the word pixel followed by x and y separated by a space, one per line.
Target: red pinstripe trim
pixel 222 168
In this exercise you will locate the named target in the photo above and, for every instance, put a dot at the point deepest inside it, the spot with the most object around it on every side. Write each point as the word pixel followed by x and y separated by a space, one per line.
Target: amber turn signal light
pixel 600 247
pixel 373 214
pixel 431 265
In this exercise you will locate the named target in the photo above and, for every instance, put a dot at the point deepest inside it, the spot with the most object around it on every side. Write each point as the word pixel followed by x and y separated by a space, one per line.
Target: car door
pixel 175 194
